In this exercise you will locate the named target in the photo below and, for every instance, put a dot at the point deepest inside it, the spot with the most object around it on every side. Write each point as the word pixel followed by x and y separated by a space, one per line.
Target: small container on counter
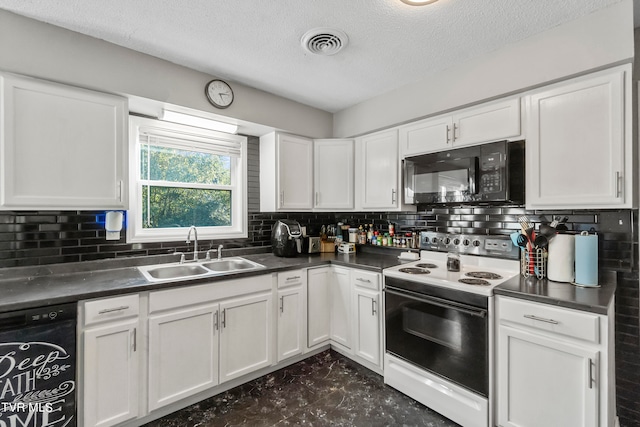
pixel 453 262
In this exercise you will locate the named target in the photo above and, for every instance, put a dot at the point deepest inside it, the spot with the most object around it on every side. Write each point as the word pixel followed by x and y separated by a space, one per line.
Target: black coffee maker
pixel 286 238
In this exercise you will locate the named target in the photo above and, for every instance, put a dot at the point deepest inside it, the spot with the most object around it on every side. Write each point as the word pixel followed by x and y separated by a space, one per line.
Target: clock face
pixel 219 93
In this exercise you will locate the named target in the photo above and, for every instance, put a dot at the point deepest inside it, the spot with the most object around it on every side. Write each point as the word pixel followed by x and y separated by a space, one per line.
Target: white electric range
pixel 439 323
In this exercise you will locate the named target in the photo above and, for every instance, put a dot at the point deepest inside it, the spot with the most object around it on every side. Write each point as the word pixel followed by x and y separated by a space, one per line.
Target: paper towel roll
pixel 561 258
pixel 587 259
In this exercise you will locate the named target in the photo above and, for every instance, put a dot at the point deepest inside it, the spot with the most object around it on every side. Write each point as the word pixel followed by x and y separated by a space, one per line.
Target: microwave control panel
pixel 491 173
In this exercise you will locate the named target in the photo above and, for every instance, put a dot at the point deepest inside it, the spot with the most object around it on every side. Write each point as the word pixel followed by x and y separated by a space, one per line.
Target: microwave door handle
pixel 474 169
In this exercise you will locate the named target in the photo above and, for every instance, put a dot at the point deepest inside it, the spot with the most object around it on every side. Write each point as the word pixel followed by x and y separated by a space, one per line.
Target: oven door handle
pixel 464 308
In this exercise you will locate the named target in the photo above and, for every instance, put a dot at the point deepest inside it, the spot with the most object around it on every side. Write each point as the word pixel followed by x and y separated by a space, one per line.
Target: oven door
pixel 447 338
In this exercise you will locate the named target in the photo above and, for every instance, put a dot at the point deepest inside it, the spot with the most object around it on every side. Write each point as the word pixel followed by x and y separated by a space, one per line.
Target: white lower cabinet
pixel 201 336
pixel 183 354
pixel 367 317
pixel 110 361
pixel 344 310
pixel 291 314
pixel 245 335
pixel 318 303
pixel 340 309
pixel 553 366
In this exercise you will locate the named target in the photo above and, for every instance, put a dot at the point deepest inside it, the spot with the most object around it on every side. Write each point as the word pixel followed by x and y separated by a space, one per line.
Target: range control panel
pixel 469 244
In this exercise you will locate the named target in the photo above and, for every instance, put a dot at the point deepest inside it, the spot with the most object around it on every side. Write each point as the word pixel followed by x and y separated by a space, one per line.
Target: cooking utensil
pixel 541 241
pixel 514 237
pixel 547 230
pixel 522 240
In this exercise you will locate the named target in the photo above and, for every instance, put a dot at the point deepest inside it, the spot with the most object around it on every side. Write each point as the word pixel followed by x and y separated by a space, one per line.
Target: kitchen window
pixel 182 176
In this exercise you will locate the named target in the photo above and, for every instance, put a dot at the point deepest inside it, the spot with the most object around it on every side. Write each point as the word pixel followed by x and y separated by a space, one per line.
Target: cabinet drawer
pixel 97 311
pixel 365 279
pixel 290 278
pixel 562 321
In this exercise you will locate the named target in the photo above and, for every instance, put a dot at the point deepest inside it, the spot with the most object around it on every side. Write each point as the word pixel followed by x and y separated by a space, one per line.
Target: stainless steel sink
pixel 173 271
pixel 177 272
pixel 231 265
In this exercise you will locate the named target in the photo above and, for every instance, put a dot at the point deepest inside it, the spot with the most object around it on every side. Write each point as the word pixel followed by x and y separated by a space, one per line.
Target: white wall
pixel 41 50
pixel 594 41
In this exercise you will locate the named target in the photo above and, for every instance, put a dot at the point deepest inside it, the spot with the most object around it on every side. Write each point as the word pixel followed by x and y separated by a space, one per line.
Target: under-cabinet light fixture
pixel 201 122
pixel 418 2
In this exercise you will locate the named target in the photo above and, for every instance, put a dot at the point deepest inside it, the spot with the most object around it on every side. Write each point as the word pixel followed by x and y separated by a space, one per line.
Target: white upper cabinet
pixel 579 144
pixel 61 147
pixel 487 122
pixel 426 136
pixel 378 171
pixel 286 173
pixel 333 174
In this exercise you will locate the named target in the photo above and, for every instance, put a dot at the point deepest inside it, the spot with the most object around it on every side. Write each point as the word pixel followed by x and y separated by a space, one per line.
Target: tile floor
pixel 323 390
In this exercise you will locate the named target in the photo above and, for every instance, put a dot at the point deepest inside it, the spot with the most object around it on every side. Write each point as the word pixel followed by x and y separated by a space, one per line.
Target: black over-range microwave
pixel 487 173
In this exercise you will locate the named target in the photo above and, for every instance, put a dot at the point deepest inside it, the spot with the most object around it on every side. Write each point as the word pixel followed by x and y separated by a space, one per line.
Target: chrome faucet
pixel 220 252
pixel 195 239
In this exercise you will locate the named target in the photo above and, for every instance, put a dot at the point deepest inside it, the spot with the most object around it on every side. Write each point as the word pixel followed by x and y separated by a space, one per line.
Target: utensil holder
pixel 533 263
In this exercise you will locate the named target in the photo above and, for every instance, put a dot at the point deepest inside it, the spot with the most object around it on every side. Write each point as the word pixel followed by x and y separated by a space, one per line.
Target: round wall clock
pixel 219 93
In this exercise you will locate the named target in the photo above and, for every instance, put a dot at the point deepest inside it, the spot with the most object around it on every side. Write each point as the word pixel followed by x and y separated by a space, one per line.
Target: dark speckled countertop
pixel 592 299
pixel 31 287
pixel 65 283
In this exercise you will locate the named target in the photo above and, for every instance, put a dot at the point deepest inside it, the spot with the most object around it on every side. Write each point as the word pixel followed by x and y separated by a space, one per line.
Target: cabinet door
pixel 110 374
pixel 246 335
pixel 340 307
pixel 426 136
pixel 367 325
pixel 537 372
pixel 378 164
pixel 333 174
pixel 295 172
pixel 61 147
pixel 183 354
pixel 488 122
pixel 318 320
pixel 576 144
pixel 290 322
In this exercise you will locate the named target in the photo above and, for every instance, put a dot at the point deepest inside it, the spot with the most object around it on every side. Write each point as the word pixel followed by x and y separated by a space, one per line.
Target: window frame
pixel 136 233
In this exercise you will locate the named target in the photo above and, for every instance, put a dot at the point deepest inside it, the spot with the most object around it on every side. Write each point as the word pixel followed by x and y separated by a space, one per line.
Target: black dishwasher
pixel 38 367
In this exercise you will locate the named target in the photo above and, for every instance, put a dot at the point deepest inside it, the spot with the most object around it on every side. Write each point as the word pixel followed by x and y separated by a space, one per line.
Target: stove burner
pixel 426 265
pixel 479 282
pixel 413 270
pixel 484 275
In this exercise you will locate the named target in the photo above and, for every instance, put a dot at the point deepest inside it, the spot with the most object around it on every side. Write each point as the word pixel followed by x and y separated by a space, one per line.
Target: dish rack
pixel 533 262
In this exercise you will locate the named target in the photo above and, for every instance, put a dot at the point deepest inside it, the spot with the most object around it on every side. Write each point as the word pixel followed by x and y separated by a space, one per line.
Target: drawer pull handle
pixel 281 304
pixel 135 339
pixel 360 279
pixel 591 379
pixel 373 307
pixel 541 319
pixel 111 310
pixel 293 278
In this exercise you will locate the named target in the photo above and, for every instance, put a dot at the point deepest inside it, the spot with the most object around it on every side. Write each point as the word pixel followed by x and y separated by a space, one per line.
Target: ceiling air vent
pixel 324 41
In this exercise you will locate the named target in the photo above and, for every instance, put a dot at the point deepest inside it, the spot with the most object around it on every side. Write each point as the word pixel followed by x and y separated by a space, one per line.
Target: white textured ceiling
pixel 257 42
